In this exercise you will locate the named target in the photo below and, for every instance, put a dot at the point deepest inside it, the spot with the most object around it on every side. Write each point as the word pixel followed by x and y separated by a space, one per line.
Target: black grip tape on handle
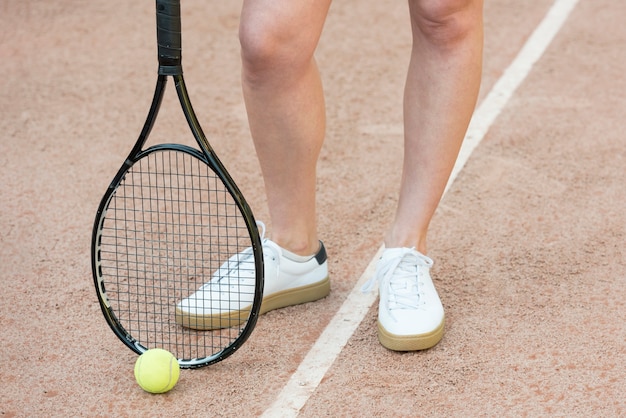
pixel 169 37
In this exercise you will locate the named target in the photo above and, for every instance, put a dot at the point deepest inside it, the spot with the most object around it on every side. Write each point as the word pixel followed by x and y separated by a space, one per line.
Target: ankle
pixel 297 257
pixel 406 241
pixel 297 249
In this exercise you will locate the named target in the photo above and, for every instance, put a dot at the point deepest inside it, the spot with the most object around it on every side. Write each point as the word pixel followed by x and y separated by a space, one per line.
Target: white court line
pixel 512 77
pixel 333 339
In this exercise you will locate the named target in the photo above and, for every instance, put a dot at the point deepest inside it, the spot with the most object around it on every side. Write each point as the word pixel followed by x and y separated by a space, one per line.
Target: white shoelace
pixel 402 276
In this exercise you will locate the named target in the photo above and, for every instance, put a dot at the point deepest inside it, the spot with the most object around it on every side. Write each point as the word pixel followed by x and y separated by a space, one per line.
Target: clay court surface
pixel 528 241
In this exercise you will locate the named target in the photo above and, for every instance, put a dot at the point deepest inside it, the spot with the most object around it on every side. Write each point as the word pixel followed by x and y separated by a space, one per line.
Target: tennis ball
pixel 157 371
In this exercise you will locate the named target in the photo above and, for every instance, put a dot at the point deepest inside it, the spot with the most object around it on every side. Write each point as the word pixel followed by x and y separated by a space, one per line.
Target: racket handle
pixel 168 37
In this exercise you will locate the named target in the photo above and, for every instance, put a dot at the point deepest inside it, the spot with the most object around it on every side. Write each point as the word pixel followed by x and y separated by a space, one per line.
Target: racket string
pixel 169 226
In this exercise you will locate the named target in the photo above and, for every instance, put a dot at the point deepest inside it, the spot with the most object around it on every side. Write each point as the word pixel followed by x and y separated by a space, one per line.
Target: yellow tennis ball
pixel 157 370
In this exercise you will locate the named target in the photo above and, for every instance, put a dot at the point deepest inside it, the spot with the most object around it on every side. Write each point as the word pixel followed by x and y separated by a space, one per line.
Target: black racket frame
pixel 168 19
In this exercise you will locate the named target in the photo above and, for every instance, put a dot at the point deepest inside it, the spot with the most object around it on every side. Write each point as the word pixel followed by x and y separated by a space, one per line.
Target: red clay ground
pixel 528 242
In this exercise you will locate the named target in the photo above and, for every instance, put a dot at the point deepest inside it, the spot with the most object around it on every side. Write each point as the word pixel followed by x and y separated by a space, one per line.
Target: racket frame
pixel 169 53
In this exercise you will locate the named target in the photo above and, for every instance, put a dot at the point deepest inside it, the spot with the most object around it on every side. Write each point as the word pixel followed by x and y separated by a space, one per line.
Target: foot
pixel 289 280
pixel 410 315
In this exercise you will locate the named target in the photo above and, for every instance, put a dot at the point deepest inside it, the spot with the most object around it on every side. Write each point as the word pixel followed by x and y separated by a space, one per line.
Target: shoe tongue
pixel 272 246
pixel 391 253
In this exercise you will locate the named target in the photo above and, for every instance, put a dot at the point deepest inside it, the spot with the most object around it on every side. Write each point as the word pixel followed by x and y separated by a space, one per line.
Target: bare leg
pixel 440 95
pixel 286 111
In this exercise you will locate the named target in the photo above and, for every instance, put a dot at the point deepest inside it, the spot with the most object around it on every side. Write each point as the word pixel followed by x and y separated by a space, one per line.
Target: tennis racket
pixel 172 220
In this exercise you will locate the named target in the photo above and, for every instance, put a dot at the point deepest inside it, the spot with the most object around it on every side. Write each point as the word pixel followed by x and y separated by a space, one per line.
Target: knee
pixel 445 22
pixel 259 47
pixel 269 50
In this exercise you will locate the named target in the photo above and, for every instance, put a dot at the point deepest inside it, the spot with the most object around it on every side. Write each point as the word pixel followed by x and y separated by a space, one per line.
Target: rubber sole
pixel 289 297
pixel 410 342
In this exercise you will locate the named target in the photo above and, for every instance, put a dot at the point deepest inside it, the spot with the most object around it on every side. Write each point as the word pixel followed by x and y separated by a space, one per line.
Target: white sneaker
pixel 410 315
pixel 287 282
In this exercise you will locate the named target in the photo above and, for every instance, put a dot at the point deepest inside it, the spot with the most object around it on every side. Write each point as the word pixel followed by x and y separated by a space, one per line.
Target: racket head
pixel 169 220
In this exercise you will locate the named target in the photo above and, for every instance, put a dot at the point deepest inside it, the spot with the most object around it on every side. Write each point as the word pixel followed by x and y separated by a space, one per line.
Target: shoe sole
pixel 410 342
pixel 289 297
